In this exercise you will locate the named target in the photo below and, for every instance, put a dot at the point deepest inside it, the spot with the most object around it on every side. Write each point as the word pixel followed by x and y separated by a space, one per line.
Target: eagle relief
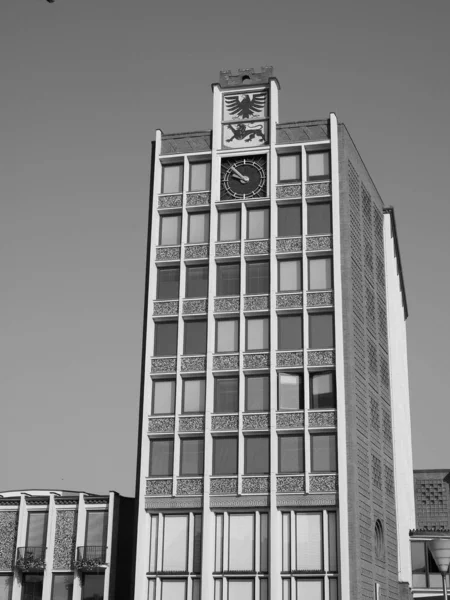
pixel 242 109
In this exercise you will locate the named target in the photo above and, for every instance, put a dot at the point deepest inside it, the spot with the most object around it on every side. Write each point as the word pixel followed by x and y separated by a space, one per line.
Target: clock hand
pixel 242 178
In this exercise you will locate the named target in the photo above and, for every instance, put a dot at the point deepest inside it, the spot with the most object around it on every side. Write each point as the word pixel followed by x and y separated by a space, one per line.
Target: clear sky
pixel 84 84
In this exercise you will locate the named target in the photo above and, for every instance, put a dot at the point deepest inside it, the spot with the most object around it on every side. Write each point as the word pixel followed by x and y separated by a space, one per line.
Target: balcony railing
pixel 31 558
pixel 90 558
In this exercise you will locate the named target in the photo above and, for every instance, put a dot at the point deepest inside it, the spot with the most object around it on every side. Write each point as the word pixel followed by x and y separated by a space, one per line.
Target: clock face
pixel 244 177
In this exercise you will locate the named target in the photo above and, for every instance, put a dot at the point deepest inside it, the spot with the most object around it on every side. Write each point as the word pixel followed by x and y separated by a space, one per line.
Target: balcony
pixel 90 558
pixel 31 558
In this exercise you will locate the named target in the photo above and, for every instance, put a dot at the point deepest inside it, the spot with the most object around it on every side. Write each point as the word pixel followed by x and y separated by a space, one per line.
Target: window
pixel 197 281
pixel 225 455
pixel 240 588
pixel 289 168
pixel 257 455
pixel 310 588
pixel 258 220
pixel 226 398
pixel 289 221
pixel 257 393
pixel 170 232
pixel 168 283
pixel 200 177
pixel 198 232
pixel 163 397
pixel 318 165
pixel 32 586
pixel 323 390
pixel 37 529
pixel 229 279
pixel 227 335
pixel 290 332
pixel 93 586
pixel 291 456
pixel 229 225
pixel 290 391
pixel 321 330
pixel 258 278
pixel 166 338
pixel 258 334
pixel 323 453
pixel 195 337
pixel 289 275
pixel 319 218
pixel 172 179
pixel 320 273
pixel 241 543
pixel 309 543
pixel 194 393
pixel 332 542
pixel 161 458
pixel 175 542
pixel 96 528
pixel 191 457
pixel 6 586
pixel 173 589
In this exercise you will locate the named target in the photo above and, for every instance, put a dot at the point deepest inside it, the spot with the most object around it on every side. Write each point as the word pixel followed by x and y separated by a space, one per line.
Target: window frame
pixel 282 319
pixel 189 269
pixel 238 233
pixel 313 259
pixel 314 436
pixel 235 320
pixel 282 207
pixel 266 211
pixel 235 438
pixel 158 326
pixel 321 203
pixel 313 374
pixel 194 164
pixel 184 440
pixel 196 214
pixel 311 317
pixel 163 177
pixel 216 386
pixel 152 443
pixel 218 269
pixel 301 438
pixel 162 380
pixel 183 396
pixel 247 320
pixel 285 181
pixel 248 266
pixel 292 260
pixel 318 177
pixel 165 216
pixel 187 338
pixel 266 376
pixel 159 270
pixel 259 436
pixel 301 395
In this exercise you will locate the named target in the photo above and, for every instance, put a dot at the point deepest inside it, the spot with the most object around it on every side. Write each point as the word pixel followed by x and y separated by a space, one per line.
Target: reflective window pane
pixel 166 339
pixel 257 455
pixel 321 330
pixel 161 457
pixel 62 587
pixel 37 529
pixel 229 226
pixel 323 453
pixel 241 543
pixel 290 391
pixel 225 455
pixel 320 274
pixel 290 332
pixel 258 278
pixel 289 221
pixel 319 218
pixel 227 335
pixel 257 393
pixel 289 167
pixel 258 220
pixel 172 179
pixel 309 542
pixel 258 334
pixel 240 589
pixel 163 397
pixel 197 281
pixel 93 586
pixel 173 589
pixel 194 392
pixel 319 165
pixel 229 280
pixel 323 392
pixel 289 275
pixel 198 228
pixel 310 589
pixel 191 457
pixel 200 177
pixel 291 454
pixel 332 542
pixel 334 593
pixel 168 283
pixel 226 398
pixel 6 584
pixel 264 543
pixel 96 528
pixel 195 338
pixel 170 233
pixel 175 546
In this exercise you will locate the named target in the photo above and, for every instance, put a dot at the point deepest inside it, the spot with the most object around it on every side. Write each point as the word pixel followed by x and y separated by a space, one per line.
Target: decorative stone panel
pixel 224 485
pixel 255 485
pixel 256 303
pixel 193 363
pixel 290 420
pixel 322 188
pixel 196 251
pixel 9 521
pixel 189 487
pixel 257 361
pixel 289 133
pixel 323 483
pixel 289 485
pixel 164 365
pixel 228 249
pixel 290 359
pixel 191 424
pixel 161 425
pixel 319 358
pixel 257 421
pixel 289 191
pixel 224 422
pixel 322 419
pixel 225 362
pixel 319 242
pixel 171 201
pixel 169 307
pixel 185 143
pixel 227 304
pixel 65 539
pixel 257 247
pixel 293 244
pixel 192 307
pixel 168 253
pixel 320 298
pixel 198 198
pixel 289 301
pixel 158 487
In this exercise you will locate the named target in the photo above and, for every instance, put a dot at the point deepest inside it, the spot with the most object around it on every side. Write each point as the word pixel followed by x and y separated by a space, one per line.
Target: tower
pixel 273 461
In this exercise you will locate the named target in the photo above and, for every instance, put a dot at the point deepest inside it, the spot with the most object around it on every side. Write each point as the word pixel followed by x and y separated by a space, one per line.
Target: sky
pixel 84 85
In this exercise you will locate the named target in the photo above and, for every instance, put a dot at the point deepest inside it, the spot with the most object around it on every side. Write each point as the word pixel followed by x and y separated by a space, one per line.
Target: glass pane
pixel 286 589
pixel 332 542
pixel 6 583
pixel 96 528
pixel 153 542
pixel 173 590
pixel 321 331
pixel 257 334
pixel 170 230
pixel 320 270
pixel 195 337
pixel 197 282
pixel 194 395
pixel 225 456
pixel 219 543
pixel 32 586
pixel 264 542
pixel 286 550
pixel 240 590
pixel 258 224
pixel 93 586
pixel 200 177
pixel 166 339
pixel 258 278
pixel 163 397
pixel 290 391
pixel 197 560
pixel 172 179
pixel 227 335
pixel 290 332
pixel 241 543
pixel 309 542
pixel 198 228
pixel 323 390
pixel 323 453
pixel 334 594
pixel 418 557
pixel 256 455
pixel 196 589
pixel 191 457
pixel 419 580
pixel 168 283
pixel 290 275
pixel 151 589
pixel 257 396
pixel 291 454
pixel 319 218
pixel 263 589
pixel 227 395
pixel 228 280
pixel 218 589
pixel 175 547
pixel 319 165
pixel 62 587
pixel 309 589
pixel 289 221
pixel 37 529
pixel 161 457
pixel 289 167
pixel 229 226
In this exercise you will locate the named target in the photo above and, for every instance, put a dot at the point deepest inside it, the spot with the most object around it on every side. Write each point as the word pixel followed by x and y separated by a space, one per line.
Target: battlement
pixel 245 77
